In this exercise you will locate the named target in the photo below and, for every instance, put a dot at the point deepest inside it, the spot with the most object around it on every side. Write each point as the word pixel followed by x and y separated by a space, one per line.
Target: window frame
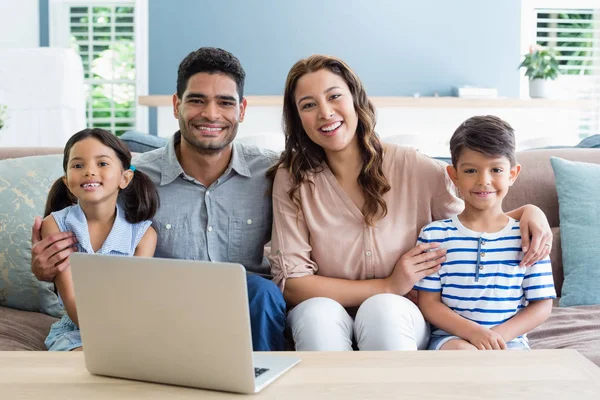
pixel 529 23
pixel 59 35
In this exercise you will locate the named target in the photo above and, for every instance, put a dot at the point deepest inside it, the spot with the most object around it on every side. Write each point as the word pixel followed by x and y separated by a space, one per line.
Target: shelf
pixel 408 102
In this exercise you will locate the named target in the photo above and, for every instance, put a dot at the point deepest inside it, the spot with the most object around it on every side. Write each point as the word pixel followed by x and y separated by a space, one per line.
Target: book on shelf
pixel 475 92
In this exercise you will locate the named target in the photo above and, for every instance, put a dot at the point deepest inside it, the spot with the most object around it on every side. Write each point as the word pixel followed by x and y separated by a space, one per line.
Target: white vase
pixel 539 88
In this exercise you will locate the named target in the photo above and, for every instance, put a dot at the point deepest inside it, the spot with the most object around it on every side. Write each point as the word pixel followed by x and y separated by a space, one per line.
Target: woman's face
pixel 326 109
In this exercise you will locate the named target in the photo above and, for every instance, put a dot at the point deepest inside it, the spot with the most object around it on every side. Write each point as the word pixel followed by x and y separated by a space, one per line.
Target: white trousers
pixel 382 322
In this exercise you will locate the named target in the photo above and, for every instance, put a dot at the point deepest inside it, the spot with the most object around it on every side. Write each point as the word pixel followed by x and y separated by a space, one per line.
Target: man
pixel 213 192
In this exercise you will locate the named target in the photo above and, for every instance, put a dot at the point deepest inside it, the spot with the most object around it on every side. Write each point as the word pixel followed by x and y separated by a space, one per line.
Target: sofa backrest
pixel 536 186
pixel 16 152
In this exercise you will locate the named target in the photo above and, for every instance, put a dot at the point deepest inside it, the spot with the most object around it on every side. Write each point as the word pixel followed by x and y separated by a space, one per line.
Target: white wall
pixel 19 24
pixel 427 129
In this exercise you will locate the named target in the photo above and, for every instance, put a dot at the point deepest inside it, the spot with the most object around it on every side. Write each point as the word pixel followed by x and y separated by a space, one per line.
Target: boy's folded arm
pixel 526 320
pixel 440 315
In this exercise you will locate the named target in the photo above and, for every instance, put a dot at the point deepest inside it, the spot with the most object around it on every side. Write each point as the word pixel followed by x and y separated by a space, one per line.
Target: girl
pixel 107 204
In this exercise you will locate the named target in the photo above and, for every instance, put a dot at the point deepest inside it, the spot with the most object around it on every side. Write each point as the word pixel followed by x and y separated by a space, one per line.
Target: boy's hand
pixel 486 339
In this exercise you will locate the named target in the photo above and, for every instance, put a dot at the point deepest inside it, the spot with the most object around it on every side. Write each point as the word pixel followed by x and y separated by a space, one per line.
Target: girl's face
pixel 94 172
pixel 326 109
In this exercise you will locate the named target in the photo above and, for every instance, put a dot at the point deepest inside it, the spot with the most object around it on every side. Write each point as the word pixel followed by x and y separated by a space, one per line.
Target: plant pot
pixel 539 88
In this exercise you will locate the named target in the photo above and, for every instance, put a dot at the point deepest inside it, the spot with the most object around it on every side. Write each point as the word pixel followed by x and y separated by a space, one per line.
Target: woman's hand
pixel 535 224
pixel 419 262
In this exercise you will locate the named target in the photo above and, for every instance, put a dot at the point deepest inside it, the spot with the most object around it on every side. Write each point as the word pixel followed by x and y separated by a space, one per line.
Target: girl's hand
pixel 419 262
pixel 535 224
pixel 486 339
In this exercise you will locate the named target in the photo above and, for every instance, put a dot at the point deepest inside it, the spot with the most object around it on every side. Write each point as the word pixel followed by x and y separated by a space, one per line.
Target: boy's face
pixel 483 181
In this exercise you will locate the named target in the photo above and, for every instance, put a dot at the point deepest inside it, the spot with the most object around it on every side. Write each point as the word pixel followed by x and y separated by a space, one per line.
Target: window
pixel 109 36
pixel 572 29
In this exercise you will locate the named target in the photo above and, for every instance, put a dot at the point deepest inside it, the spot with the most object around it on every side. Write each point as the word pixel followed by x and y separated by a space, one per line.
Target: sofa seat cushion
pixel 575 327
pixel 23 330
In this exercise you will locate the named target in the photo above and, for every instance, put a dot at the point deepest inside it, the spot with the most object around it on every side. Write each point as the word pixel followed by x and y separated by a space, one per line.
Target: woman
pixel 347 210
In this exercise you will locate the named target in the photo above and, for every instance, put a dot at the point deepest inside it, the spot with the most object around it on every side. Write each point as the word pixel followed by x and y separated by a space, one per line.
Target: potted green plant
pixel 541 66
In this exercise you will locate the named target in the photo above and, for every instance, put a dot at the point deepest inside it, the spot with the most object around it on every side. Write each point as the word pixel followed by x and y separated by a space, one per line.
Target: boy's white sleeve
pixel 431 283
pixel 538 283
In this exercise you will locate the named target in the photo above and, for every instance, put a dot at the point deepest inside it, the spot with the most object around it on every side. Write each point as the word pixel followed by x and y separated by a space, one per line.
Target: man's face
pixel 209 111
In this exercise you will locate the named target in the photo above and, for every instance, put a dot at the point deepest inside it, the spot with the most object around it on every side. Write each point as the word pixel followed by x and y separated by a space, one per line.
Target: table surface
pixel 537 374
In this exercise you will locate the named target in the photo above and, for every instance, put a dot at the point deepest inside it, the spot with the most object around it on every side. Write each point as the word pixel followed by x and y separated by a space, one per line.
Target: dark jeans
pixel 267 314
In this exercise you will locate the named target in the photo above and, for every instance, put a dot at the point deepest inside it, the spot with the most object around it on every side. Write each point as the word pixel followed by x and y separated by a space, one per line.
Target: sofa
pixel 575 327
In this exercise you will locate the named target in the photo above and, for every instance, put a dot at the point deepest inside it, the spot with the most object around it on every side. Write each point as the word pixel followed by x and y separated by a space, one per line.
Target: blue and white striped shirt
pixel 481 279
pixel 122 239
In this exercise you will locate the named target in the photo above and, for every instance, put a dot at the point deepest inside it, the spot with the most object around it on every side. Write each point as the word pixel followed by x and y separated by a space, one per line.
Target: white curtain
pixel 42 89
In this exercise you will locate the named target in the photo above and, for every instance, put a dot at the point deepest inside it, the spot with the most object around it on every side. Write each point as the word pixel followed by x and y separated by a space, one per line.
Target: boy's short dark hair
pixel 213 61
pixel 487 134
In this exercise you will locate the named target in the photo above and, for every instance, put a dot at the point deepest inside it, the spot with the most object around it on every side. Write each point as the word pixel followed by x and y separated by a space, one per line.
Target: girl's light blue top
pixel 122 239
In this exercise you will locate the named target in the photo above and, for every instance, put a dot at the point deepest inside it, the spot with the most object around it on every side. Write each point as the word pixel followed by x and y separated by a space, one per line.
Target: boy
pixel 480 299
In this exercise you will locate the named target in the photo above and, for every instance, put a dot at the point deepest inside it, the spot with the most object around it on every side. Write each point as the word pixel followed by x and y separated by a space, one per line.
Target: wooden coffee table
pixel 514 375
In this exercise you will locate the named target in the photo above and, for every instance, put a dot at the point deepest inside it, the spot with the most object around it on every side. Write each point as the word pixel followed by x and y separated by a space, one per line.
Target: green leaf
pixel 541 64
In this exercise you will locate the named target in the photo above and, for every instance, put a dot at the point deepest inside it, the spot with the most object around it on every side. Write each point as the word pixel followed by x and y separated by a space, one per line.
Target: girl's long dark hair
pixel 302 156
pixel 139 200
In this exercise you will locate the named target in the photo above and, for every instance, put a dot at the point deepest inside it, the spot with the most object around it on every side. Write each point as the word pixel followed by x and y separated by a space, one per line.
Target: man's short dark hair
pixel 487 134
pixel 213 61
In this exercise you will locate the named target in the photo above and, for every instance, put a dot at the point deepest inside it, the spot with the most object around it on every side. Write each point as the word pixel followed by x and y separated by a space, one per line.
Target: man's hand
pixel 50 255
pixel 486 339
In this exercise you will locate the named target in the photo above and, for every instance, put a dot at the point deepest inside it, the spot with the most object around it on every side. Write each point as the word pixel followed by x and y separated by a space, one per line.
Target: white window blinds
pixel 574 34
pixel 104 35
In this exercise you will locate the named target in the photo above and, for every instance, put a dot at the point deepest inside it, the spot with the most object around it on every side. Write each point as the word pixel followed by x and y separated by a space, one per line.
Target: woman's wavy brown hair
pixel 302 156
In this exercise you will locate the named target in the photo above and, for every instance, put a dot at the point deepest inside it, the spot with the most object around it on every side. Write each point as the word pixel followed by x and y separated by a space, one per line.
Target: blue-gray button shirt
pixel 228 221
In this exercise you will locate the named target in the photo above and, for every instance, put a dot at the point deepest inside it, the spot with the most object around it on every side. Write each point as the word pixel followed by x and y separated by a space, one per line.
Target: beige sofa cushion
pixel 536 185
pixel 23 330
pixel 570 328
pixel 17 152
pixel 556 258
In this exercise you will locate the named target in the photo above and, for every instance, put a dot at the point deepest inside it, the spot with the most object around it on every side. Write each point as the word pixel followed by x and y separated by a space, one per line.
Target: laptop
pixel 178 322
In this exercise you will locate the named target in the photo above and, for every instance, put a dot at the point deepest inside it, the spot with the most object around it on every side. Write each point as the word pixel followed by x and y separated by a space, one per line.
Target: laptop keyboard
pixel 259 371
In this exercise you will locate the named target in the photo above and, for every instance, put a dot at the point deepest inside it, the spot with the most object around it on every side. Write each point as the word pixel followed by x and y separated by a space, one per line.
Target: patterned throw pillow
pixel 24 185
